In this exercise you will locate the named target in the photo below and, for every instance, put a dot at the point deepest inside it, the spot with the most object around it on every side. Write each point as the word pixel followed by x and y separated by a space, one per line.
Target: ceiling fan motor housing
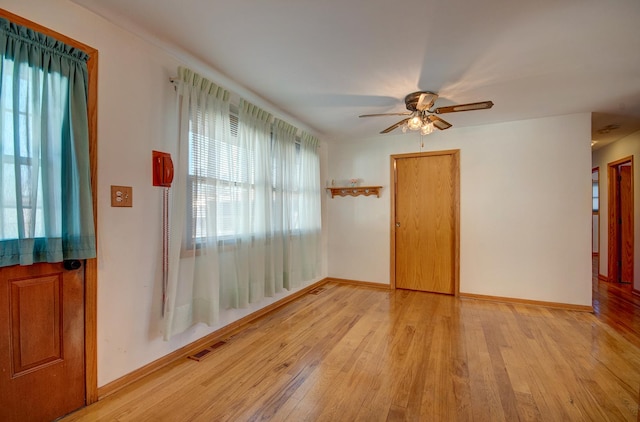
pixel 411 101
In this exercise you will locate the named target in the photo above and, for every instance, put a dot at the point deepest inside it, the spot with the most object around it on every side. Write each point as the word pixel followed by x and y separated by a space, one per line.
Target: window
pixel 214 182
pixel 224 175
pixel 25 157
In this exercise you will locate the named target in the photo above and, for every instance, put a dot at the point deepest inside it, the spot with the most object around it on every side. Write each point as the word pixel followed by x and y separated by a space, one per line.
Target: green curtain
pixel 45 202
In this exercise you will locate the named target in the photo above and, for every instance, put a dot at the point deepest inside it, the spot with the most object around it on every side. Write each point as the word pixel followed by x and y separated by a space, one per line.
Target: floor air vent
pixel 205 352
pixel 316 291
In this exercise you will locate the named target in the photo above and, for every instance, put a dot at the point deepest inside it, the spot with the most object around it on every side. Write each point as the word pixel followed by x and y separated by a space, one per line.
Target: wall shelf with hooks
pixel 355 191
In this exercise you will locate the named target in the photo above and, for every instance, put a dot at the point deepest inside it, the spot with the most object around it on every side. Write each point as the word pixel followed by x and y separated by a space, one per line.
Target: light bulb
pixel 426 129
pixel 414 123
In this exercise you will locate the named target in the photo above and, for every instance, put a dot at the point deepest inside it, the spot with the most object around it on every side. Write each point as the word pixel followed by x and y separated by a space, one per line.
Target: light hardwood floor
pixel 354 353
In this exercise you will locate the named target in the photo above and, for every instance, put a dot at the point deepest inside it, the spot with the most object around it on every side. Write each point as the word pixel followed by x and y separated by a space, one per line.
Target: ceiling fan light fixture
pixel 420 115
pixel 426 128
pixel 415 122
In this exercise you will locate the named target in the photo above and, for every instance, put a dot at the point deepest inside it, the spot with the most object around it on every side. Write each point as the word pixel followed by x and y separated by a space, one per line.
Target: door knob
pixel 397 224
pixel 72 264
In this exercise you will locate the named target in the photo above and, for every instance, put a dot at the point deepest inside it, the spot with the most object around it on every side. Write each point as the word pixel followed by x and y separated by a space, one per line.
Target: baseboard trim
pixel 603 278
pixel 122 382
pixel 360 283
pixel 555 305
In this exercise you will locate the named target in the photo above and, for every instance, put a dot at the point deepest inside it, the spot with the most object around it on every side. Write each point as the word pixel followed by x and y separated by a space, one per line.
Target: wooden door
pixel 60 306
pixel 620 216
pixel 426 221
pixel 41 342
pixel 626 224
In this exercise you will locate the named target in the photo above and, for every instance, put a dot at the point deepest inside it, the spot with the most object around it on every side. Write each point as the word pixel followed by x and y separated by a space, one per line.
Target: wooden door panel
pixel 613 247
pixel 626 224
pixel 41 342
pixel 35 322
pixel 426 223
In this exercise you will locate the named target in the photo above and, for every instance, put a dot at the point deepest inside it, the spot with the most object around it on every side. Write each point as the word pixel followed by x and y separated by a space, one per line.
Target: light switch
pixel 121 196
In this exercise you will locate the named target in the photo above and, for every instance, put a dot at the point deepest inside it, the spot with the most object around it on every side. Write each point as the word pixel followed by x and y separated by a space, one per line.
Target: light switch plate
pixel 121 196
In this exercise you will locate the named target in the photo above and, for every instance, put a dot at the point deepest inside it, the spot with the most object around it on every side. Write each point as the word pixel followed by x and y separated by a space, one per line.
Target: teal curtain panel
pixel 46 211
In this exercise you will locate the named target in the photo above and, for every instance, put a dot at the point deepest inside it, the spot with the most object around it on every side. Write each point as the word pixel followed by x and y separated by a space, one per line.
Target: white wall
pixel 625 147
pixel 525 207
pixel 136 114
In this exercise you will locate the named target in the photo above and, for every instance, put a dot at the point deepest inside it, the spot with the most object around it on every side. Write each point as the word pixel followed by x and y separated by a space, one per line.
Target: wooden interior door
pixel 613 232
pixel 620 216
pixel 41 342
pixel 626 223
pixel 426 221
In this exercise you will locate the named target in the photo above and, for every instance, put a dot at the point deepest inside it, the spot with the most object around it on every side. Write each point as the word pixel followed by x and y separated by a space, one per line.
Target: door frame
pixel 595 233
pixel 613 252
pixel 456 204
pixel 91 265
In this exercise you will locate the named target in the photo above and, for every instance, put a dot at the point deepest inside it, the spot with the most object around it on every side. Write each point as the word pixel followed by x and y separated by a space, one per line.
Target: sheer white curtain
pixel 193 293
pixel 245 256
pixel 284 201
pixel 308 208
pixel 245 219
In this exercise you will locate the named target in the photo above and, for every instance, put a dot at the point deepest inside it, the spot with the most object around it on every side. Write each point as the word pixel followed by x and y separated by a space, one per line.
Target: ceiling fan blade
pixel 385 114
pixel 392 127
pixel 483 105
pixel 439 123
pixel 426 100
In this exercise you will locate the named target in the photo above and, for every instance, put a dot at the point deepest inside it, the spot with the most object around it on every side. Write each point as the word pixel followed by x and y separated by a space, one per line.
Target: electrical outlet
pixel 121 196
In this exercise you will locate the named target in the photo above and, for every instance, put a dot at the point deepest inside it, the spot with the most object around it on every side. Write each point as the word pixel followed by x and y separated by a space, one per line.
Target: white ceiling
pixel 324 62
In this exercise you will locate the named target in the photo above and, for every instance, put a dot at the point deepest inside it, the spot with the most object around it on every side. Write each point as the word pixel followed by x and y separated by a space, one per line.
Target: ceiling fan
pixel 421 116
